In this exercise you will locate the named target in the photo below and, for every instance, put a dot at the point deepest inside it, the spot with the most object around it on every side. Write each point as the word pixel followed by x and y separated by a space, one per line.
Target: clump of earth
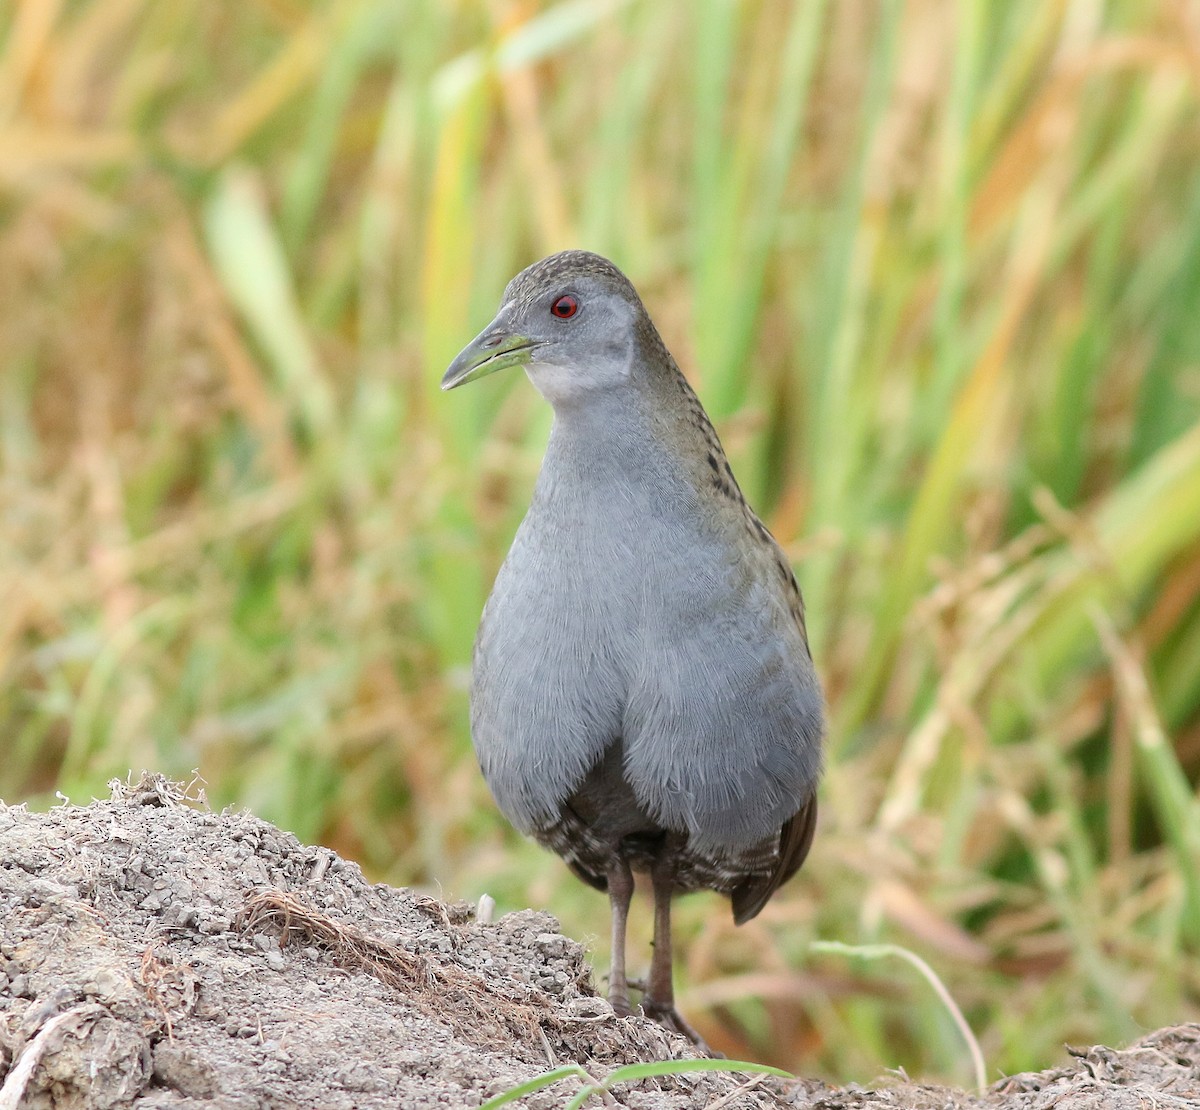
pixel 156 954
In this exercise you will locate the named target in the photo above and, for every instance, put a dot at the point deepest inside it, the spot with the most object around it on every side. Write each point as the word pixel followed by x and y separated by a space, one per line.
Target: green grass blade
pixel 883 951
pixel 532 1086
pixel 255 271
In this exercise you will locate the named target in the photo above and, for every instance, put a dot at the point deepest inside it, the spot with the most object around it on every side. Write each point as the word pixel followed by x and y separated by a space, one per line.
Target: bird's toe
pixel 670 1018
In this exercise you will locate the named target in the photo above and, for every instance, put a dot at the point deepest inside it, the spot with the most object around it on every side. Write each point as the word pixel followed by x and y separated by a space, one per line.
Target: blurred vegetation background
pixel 934 268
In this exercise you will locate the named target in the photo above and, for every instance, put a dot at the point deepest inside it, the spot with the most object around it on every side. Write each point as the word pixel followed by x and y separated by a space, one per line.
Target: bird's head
pixel 571 320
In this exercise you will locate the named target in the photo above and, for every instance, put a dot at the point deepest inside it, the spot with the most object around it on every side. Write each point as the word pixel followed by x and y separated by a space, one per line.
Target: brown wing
pixel 795 839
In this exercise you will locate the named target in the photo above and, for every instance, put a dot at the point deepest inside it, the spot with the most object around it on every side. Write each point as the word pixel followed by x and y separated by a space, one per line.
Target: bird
pixel 642 697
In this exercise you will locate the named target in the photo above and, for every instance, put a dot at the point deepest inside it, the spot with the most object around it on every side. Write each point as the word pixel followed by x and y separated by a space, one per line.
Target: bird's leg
pixel 620 893
pixel 659 1002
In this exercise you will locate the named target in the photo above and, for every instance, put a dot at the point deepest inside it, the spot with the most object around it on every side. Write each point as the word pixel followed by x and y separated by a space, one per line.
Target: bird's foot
pixel 619 1001
pixel 670 1018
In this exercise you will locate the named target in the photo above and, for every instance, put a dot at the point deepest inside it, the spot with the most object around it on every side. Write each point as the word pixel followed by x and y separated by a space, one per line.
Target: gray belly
pixel 635 678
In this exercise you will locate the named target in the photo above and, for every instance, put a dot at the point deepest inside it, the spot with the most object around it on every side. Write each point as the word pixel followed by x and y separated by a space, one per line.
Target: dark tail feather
pixel 795 839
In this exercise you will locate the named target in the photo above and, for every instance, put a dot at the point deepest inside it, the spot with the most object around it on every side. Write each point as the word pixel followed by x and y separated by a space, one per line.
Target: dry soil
pixel 155 954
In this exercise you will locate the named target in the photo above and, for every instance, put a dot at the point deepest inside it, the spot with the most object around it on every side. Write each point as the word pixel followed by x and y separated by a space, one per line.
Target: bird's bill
pixel 483 355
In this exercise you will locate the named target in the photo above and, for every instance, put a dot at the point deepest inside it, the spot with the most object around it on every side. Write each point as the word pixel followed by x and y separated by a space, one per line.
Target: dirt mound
pixel 156 954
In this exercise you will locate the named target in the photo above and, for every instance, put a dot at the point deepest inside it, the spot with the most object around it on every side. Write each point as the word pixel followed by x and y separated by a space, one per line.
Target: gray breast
pixel 624 613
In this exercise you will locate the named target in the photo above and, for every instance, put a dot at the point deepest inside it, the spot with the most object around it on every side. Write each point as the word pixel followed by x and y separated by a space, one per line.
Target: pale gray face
pixel 570 320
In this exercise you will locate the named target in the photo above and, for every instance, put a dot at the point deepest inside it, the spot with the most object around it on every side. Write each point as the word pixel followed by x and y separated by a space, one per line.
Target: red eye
pixel 565 307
